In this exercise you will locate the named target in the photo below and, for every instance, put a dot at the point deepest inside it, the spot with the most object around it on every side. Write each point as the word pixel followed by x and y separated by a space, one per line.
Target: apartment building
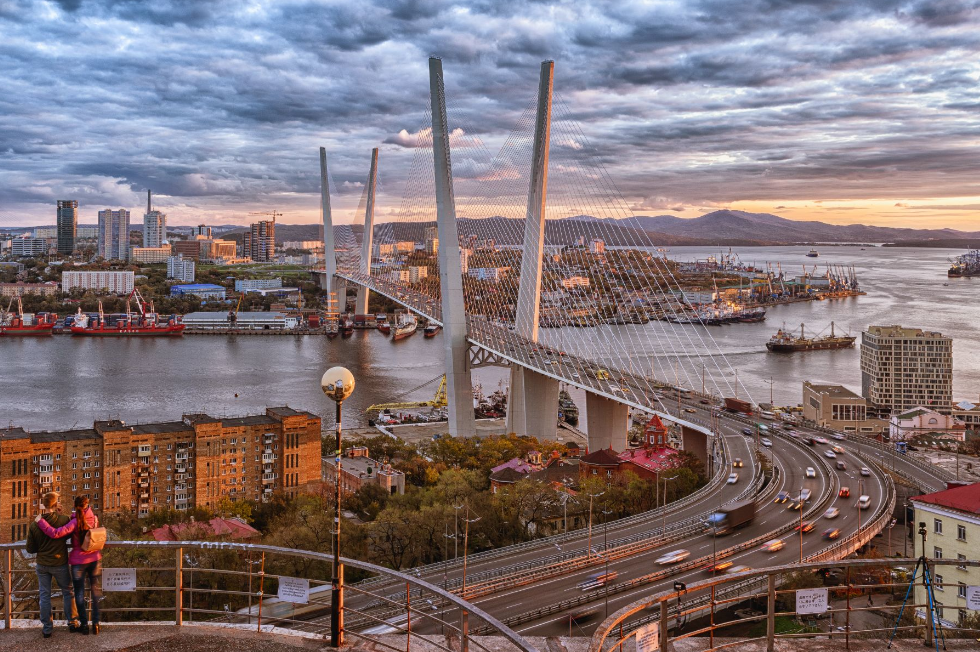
pixel 952 520
pixel 67 229
pixel 904 368
pixel 112 282
pixel 149 255
pixel 194 462
pixel 113 243
pixel 260 241
pixel 357 470
pixel 48 289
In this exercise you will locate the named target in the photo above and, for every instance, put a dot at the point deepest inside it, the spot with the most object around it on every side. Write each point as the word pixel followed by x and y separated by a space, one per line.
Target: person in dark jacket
pixel 52 563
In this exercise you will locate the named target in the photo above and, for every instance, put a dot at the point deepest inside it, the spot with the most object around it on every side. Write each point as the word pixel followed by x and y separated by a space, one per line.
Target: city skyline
pixel 853 113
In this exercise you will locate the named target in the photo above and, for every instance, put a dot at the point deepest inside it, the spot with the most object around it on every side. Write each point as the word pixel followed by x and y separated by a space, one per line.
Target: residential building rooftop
pixel 963 499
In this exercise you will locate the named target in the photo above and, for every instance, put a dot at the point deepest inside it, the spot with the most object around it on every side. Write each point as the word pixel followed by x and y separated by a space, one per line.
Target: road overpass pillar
pixel 529 389
pixel 367 240
pixel 607 422
pixel 328 282
pixel 459 386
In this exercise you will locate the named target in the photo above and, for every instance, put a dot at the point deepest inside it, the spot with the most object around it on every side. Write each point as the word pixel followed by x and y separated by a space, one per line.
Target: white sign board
pixel 648 637
pixel 811 601
pixel 973 598
pixel 294 589
pixel 118 579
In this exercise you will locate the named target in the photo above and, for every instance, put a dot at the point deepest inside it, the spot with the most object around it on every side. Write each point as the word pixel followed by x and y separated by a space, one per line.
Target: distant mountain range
pixel 723 227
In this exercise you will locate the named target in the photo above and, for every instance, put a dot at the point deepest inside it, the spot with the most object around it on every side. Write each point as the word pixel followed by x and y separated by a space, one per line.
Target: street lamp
pixel 337 383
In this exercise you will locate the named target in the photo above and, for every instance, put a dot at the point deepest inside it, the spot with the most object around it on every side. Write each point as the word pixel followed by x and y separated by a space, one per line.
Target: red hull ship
pixel 12 325
pixel 142 324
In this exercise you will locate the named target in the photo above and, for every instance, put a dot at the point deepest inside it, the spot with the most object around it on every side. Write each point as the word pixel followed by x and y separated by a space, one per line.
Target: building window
pixel 937 553
pixel 961 590
pixel 939 583
pixel 961 532
pixel 937 526
pixel 961 558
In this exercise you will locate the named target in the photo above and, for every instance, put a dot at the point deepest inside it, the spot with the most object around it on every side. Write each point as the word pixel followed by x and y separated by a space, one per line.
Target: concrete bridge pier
pixel 328 281
pixel 607 423
pixel 533 404
pixel 367 240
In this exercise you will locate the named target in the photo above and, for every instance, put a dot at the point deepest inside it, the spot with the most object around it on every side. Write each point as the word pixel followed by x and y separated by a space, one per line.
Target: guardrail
pixel 249 585
pixel 711 599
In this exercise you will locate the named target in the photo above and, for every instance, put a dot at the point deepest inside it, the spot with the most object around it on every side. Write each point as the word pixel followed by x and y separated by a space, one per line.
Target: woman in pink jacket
pixel 83 564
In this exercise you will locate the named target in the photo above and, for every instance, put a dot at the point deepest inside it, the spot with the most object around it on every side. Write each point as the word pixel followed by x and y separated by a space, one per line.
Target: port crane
pixel 438 401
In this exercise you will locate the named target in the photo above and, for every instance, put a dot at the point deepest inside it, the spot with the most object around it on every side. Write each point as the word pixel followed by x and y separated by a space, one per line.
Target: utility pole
pixel 588 553
pixel 466 540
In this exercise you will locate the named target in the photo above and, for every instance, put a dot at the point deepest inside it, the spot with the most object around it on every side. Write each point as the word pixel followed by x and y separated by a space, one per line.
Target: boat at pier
pixel 431 329
pixel 966 265
pixel 144 323
pixel 383 325
pixel 405 326
pixel 20 325
pixel 812 253
pixel 346 325
pixel 785 342
pixel 567 410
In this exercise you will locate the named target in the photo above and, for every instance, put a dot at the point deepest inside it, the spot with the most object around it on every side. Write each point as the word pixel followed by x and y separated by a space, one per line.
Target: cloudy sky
pixel 842 111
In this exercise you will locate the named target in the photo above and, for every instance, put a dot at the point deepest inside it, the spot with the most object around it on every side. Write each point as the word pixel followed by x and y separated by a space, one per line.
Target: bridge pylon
pixel 367 241
pixel 328 282
pixel 459 384
pixel 533 402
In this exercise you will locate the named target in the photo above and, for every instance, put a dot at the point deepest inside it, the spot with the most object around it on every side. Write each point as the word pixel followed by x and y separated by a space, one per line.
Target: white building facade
pixel 110 282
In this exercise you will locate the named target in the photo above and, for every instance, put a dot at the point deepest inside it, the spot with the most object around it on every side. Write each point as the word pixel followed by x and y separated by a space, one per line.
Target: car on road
pixel 719 567
pixel 805 495
pixel 705 401
pixel 772 546
pixel 831 533
pixel 737 464
pixel 766 442
pixel 733 478
pixel 690 410
pixel 796 504
pixel 737 569
pixel 838 437
pixel 830 454
pixel 820 440
pixel 864 502
pixel 673 557
pixel 810 472
pixel 597 580
pixel 845 492
pixel 575 376
pixel 865 471
pixel 747 432
pixel 841 465
pixel 806 526
pixel 838 449
pixel 832 512
pixel 782 497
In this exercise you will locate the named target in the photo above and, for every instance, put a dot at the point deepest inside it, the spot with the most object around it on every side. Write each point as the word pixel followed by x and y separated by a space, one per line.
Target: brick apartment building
pixel 193 462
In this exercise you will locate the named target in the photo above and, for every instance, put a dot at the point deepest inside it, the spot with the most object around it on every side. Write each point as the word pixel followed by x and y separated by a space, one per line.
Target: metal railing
pixel 265 587
pixel 707 610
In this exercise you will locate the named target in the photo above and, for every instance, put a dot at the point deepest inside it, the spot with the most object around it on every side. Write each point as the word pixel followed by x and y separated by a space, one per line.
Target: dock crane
pixel 438 401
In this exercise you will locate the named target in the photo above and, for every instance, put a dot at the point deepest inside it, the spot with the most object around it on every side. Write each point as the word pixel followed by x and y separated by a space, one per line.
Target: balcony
pixel 268 478
pixel 268 458
pixel 180 468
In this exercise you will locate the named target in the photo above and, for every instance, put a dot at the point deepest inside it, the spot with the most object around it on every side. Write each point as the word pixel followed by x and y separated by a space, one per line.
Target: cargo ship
pixel 383 325
pixel 567 410
pixel 20 325
pixel 812 253
pixel 405 326
pixel 431 329
pixel 145 323
pixel 785 342
pixel 966 265
pixel 346 325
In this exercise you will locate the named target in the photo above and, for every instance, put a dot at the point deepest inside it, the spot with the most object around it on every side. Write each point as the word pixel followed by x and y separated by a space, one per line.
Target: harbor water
pixel 63 382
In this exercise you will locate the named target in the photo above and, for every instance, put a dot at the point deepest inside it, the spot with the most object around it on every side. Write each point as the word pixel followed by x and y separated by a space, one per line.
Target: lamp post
pixel 605 553
pixel 588 552
pixel 466 541
pixel 337 383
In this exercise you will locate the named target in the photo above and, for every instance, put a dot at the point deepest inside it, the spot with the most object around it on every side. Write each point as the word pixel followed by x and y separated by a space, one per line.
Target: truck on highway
pixel 730 517
pixel 738 405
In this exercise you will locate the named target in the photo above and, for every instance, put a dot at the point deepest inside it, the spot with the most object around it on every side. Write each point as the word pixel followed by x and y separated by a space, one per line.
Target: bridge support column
pixel 367 240
pixel 607 423
pixel 459 385
pixel 328 281
pixel 533 404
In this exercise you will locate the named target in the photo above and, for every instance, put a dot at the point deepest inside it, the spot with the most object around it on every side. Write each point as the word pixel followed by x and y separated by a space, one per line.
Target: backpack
pixel 94 539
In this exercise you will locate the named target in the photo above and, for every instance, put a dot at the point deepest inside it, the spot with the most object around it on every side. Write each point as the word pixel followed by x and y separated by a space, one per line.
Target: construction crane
pixel 233 316
pixel 273 214
pixel 438 401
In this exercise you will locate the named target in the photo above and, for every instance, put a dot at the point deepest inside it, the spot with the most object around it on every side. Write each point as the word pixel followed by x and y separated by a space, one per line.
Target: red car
pixel 844 492
pixel 806 526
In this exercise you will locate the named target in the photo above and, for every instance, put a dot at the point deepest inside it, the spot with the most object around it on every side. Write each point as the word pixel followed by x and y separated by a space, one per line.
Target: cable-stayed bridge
pixel 530 258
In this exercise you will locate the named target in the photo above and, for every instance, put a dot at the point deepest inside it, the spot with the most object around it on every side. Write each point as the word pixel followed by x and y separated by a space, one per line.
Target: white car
pixel 766 442
pixel 820 440
pixel 865 471
pixel 733 478
pixel 830 454
pixel 810 472
pixel 832 512
pixel 673 557
pixel 772 546
pixel 864 502
pixel 838 437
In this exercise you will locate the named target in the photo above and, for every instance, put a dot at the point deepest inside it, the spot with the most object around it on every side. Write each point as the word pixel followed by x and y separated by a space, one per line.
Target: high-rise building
pixel 201 230
pixel 28 247
pixel 154 225
pixel 903 368
pixel 114 234
pixel 135 469
pixel 180 269
pixel 260 241
pixel 100 281
pixel 67 225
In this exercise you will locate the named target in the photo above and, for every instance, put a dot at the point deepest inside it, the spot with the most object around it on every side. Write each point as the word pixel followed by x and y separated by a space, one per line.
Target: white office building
pixel 252 284
pixel 180 269
pixel 28 247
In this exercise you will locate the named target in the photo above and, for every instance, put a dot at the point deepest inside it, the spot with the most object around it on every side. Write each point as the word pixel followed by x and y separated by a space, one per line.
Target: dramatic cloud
pixel 219 106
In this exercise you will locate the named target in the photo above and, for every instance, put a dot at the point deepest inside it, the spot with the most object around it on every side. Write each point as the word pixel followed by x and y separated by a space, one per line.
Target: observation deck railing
pixel 239 584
